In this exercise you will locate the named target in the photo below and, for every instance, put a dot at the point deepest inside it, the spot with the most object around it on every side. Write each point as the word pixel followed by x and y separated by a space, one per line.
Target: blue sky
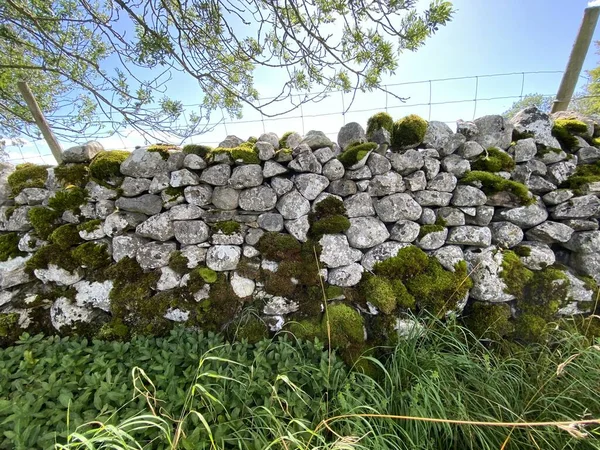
pixel 484 37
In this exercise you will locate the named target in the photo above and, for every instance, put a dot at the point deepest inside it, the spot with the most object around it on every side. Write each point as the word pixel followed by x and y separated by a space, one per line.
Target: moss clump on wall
pixel 283 140
pixel 307 329
pixel 208 275
pixel 329 217
pixel 379 292
pixel 492 184
pixel 65 236
pixel 565 130
pixel 227 227
pixel 251 329
pixel 404 299
pixel 9 328
pixel 162 149
pixel 68 200
pixel 278 246
pixel 343 325
pixel 246 152
pixel 27 175
pixel 90 225
pixel 427 229
pixel 9 246
pixel 514 273
pixel 178 262
pixel 356 152
pixel 92 255
pixel 73 174
pixel 196 149
pixel 43 220
pixel 584 174
pixel 408 132
pixel 105 168
pixel 522 250
pixel 408 262
pixel 377 121
pixel 493 160
pixel 488 320
pixel 51 254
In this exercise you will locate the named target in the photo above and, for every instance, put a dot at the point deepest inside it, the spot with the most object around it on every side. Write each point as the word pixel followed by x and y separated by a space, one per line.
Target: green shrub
pixel 354 153
pixel 492 184
pixel 105 168
pixel 27 175
pixel 494 160
pixel 72 174
pixel 408 132
pixel 377 121
pixel 196 149
pixel 9 246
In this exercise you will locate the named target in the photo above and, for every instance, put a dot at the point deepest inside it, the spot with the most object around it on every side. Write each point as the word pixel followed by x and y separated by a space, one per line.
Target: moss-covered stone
pixel 354 153
pixel 343 325
pixel 379 292
pixel 408 262
pixel 105 168
pixel 115 330
pixel 514 274
pixel 494 160
pixel 408 132
pixel 333 292
pixel 178 262
pixel 489 320
pixel 9 328
pixel 283 139
pixel 196 149
pixel 546 292
pixel 307 329
pixel 65 236
pixel 565 130
pixel 68 200
pixel 43 220
pixel 404 299
pixel 227 227
pixel 329 225
pixel 377 121
pixel 92 255
pixel 584 175
pixel 246 152
pixel 278 246
pixel 208 275
pixel 72 174
pixel 9 246
pixel 162 149
pixel 432 228
pixel 51 254
pixel 492 184
pixel 530 328
pixel 522 250
pixel 90 225
pixel 27 175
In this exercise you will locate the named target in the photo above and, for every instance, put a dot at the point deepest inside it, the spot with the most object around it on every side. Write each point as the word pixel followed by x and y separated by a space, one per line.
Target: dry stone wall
pixel 202 236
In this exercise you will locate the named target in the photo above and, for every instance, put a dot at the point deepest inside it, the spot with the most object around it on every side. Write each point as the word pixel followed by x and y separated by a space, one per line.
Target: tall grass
pixel 425 395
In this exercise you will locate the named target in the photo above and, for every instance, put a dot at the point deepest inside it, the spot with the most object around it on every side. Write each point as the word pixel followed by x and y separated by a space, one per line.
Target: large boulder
pixel 493 131
pixel 533 121
pixel 143 164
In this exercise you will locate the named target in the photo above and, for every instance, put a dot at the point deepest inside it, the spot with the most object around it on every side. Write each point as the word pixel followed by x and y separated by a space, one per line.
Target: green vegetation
pixel 344 325
pixel 51 254
pixel 90 225
pixel 492 184
pixel 178 262
pixel 9 246
pixel 379 292
pixel 565 130
pixel 328 217
pixel 227 227
pixel 377 121
pixel 105 168
pixel 283 139
pixel 493 160
pixel 251 329
pixel 433 228
pixel 92 255
pixel 208 275
pixel 246 152
pixel 278 246
pixel 355 152
pixel 584 174
pixel 196 149
pixel 43 220
pixel 27 175
pixel 488 320
pixel 408 132
pixel 73 174
pixel 162 149
pixel 68 200
pixel 65 236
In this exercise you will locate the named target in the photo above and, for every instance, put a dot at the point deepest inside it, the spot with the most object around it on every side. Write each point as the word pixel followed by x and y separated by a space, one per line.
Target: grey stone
pixel 437 134
pixel 270 138
pixel 271 221
pixel 92 235
pixel 533 121
pixel 194 162
pixel 64 312
pixel 231 141
pixel 324 155
pixel 184 177
pixel 541 255
pixel 159 183
pixel 58 275
pixel 343 188
pixel 493 131
pixel 405 231
pixel 336 251
pixel 185 212
pixel 359 205
pixel 189 232
pixel 217 175
pixel 551 156
pixel 158 227
pixel 146 204
pixel 485 271
pixel 223 257
pixel 386 184
pixel 242 287
pixel 12 272
pixel 456 165
pixel 363 173
pixel 577 208
pixel 126 245
pixel 550 232
pixel 582 225
pixel 280 306
pixel 558 196
pixel 306 162
pixel 298 228
pixel 250 252
pixel 94 294
pixel 506 234
pixel 416 181
pixel 525 216
pixel 195 255
pixel 577 290
pixel 454 143
pixel 310 185
pixel 322 196
pixel 134 186
pixel 407 162
pixel 30 243
pixel 398 207
pixel 334 170
pixel 584 241
pixel 154 254
pixel 483 216
pixel 577 116
pixel 432 198
pixel 378 164
pixel 97 192
pixel 266 150
pixel 220 238
pixel 32 196
pixel 467 129
pixel 260 198
pixel 431 167
pixel 469 235
pixel 428 217
pixel 470 150
pixel 175 161
pixel 253 235
pixel 18 220
pixel 246 176
pixel 452 217
pixel 468 196
pixel 351 133
pixel 302 148
pixel 82 153
pixel 171 199
pixel 285 155
pixel 588 264
pixel 380 253
pixel 433 240
pixel 293 205
pixel 366 232
pixel 448 256
pixel 381 136
pixel 272 169
pixel 143 164
pixel 536 167
pixel 524 150
pixel 177 315
pixel 281 186
pixel 588 155
pixel 70 217
pixel 316 139
pixel 521 173
pixel 198 195
pixel 293 140
pixel 120 221
pixel 560 172
pixel 363 185
pixel 345 276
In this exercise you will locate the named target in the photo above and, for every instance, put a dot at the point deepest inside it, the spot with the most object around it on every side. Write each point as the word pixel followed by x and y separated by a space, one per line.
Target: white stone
pixel 12 272
pixel 169 279
pixel 177 315
pixel 277 306
pixel 65 312
pixel 242 287
pixel 57 275
pixel 93 294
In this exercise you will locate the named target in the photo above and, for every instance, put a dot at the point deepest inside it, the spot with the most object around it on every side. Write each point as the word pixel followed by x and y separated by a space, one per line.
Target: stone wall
pixel 114 244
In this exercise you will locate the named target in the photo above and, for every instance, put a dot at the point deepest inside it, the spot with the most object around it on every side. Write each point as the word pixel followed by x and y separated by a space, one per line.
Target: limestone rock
pixel 126 245
pixel 310 185
pixel 190 231
pixel 184 177
pixel 533 121
pixel 158 227
pixel 93 294
pixel 359 205
pixel 246 176
pixel 449 256
pixel 225 197
pixel 272 169
pixel 12 272
pixel 194 162
pixel 280 306
pixel 583 241
pixel 432 198
pixel 433 240
pixel 380 253
pixel 336 251
pixel 525 216
pixel 524 150
pixel 366 232
pixel 506 234
pixel 456 165
pixel 444 182
pixel 469 235
pixel 82 153
pixel 541 256
pixel 398 207
pixel 493 131
pixel 345 276
pixel 306 162
pixel 223 257
pixel 242 286
pixel 58 275
pixel 407 162
pixel 143 164
pixel 185 212
pixel 334 170
pixel 298 228
pixel 271 221
pixel 198 195
pixel 66 313
pixel 351 133
pixel 577 208
pixel 145 204
pixel 485 270
pixel 386 184
pixel 154 254
pixel 470 150
pixel 316 139
pixel 231 141
pixel 216 175
pixel 378 164
pixel 405 231
pixel 266 150
pixel 260 198
pixel 550 232
pixel 588 155
pixel 132 187
pixel 121 221
pixel 468 196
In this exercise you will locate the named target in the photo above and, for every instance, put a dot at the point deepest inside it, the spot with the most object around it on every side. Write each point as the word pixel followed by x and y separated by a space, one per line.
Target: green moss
pixel 492 184
pixel 222 305
pixel 65 236
pixel 90 225
pixel 546 292
pixel 426 229
pixel 565 129
pixel 408 262
pixel 488 320
pixel 379 292
pixel 105 168
pixel 345 325
pixel 377 121
pixel 178 262
pixel 92 255
pixel 330 206
pixel 9 212
pixel 68 200
pixel 278 246
pixel 51 254
pixel 9 246
pixel 307 329
pixel 404 299
pixel 27 175
pixel 162 149
pixel 9 328
pixel 584 174
pixel 174 191
pixel 245 152
pixel 408 132
pixel 329 225
pixel 531 328
pixel 522 251
pixel 355 153
pixel 514 274
pixel 72 174
pixel 332 292
pixel 227 227
pixel 195 149
pixel 494 160
pixel 208 275
pixel 283 139
pixel 43 220
pixel 113 331
pixel 251 329
pixel 596 142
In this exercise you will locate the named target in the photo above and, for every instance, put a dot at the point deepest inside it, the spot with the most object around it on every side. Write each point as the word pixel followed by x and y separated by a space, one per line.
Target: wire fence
pixel 441 99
